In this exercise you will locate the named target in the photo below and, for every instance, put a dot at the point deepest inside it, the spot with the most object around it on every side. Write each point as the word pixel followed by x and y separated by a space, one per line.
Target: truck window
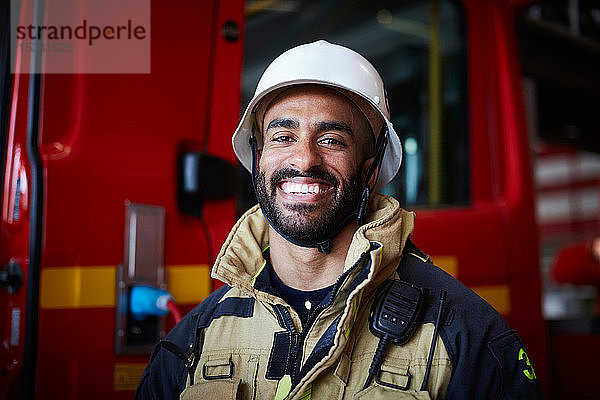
pixel 420 50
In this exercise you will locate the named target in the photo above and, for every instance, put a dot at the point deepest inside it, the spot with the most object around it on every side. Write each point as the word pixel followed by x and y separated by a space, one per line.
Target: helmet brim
pixel 241 138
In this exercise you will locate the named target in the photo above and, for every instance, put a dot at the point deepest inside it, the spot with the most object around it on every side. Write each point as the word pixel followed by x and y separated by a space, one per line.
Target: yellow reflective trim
pixel 347 331
pixel 497 295
pixel 307 393
pixel 355 306
pixel 283 387
pixel 529 373
pixel 78 287
pixel 447 263
pixel 258 273
pixel 358 304
pixel 93 287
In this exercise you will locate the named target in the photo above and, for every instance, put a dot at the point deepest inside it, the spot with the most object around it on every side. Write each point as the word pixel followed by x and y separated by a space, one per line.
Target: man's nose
pixel 305 155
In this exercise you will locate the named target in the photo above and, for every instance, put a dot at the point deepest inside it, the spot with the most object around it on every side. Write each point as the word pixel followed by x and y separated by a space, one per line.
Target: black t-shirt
pixel 301 301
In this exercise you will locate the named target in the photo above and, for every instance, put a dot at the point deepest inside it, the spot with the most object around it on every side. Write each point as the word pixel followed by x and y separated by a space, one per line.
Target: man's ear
pixel 365 170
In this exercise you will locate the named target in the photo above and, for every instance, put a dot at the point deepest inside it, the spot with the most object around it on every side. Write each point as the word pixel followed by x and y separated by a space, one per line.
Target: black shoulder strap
pixel 190 360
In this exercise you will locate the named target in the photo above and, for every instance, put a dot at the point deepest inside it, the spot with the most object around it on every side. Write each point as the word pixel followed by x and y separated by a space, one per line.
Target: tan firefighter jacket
pixel 244 342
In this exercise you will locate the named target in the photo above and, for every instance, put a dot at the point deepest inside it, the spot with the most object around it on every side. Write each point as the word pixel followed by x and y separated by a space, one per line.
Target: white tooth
pixel 305 188
pixel 311 189
pixel 297 188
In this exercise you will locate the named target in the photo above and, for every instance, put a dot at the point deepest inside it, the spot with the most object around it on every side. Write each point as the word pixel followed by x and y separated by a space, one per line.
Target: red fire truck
pixel 114 180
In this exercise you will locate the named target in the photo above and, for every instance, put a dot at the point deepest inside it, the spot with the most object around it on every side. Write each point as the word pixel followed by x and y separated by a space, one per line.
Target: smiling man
pixel 315 150
pixel 326 297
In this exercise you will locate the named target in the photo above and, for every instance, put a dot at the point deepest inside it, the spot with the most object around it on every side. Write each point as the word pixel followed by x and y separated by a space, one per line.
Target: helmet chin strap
pixel 324 246
pixel 381 145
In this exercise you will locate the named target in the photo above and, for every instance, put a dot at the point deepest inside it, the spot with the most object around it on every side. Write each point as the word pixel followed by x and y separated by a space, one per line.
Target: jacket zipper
pixel 297 339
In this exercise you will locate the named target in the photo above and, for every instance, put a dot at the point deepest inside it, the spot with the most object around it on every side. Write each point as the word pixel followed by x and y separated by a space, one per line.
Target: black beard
pixel 299 228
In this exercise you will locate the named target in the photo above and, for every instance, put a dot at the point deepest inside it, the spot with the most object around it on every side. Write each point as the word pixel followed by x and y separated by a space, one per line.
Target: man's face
pixel 312 162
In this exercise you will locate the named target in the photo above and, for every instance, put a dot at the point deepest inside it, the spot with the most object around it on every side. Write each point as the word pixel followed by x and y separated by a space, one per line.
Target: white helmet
pixel 328 64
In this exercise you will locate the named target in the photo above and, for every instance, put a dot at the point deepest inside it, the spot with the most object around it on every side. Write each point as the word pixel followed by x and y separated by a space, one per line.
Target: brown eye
pixel 330 141
pixel 282 139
